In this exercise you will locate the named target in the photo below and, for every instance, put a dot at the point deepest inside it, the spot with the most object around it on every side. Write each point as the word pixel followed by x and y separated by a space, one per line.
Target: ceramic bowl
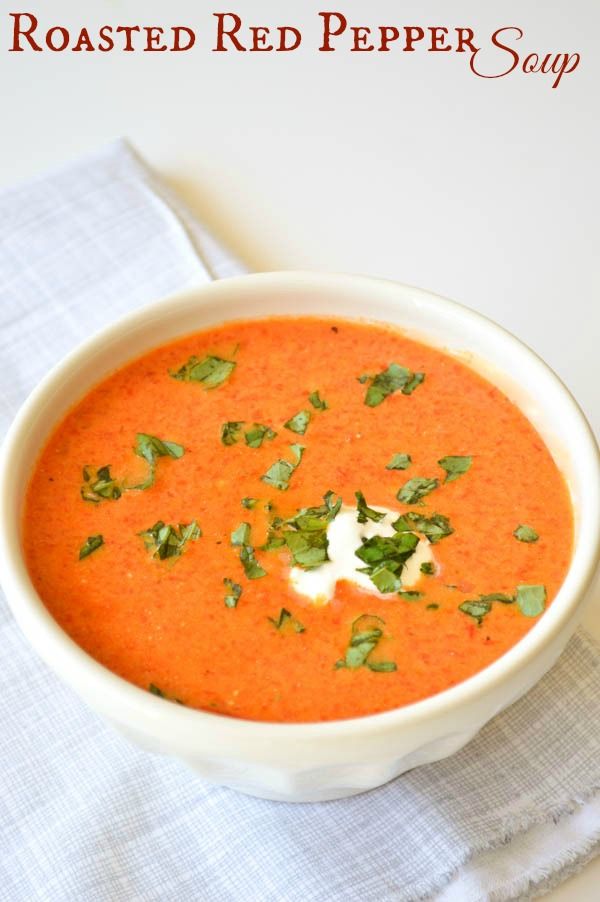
pixel 312 761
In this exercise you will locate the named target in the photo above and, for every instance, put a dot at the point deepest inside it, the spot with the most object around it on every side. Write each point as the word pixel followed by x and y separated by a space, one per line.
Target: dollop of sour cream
pixel 344 535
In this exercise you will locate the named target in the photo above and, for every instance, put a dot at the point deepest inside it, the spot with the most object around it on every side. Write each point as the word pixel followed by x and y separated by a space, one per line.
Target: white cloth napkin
pixel 86 817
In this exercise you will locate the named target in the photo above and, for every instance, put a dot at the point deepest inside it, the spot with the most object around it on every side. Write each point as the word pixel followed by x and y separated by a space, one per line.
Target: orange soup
pixel 296 519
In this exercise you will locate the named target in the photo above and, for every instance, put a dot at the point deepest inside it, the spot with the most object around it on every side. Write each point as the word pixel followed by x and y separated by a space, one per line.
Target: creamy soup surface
pixel 296 519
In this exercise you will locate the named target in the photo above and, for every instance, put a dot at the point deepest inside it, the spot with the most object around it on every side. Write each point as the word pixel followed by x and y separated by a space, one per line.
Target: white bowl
pixel 313 761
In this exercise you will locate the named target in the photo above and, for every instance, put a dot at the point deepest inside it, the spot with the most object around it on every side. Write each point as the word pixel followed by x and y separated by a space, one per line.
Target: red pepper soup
pixel 296 519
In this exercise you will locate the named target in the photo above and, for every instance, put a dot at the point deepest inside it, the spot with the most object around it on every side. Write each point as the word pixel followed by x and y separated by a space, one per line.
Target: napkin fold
pixel 86 816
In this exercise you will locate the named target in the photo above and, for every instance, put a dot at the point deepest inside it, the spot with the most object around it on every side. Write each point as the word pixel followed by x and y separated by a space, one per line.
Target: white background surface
pixel 398 165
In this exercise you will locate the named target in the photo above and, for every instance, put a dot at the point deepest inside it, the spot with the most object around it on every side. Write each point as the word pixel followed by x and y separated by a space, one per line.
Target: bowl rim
pixel 136 706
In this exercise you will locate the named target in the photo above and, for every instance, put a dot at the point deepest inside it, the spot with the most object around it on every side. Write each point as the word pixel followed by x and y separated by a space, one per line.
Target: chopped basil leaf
pixel 431 607
pixel 100 486
pixel 455 466
pixel 249 503
pixel 525 534
pixel 210 371
pixel 150 448
pixel 154 690
pixel 427 568
pixel 364 378
pixel 305 534
pixel 395 378
pixel 317 402
pixel 279 473
pixel 531 600
pixel 476 609
pixel 498 596
pixel 233 595
pixel 167 541
pixel 410 596
pixel 435 528
pixel 241 535
pixel 230 431
pixel 286 619
pixel 415 489
pixel 252 568
pixel 363 640
pixel 90 545
pixel 399 462
pixel 385 557
pixel 257 434
pixel 366 513
pixel 299 422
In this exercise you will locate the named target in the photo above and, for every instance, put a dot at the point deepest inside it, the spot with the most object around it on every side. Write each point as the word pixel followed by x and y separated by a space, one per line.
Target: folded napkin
pixel 86 816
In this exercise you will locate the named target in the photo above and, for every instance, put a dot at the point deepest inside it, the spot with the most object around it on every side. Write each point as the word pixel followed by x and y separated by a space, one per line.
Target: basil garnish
pixel 366 633
pixel 279 473
pixel 415 489
pixel 431 607
pixel 154 690
pixel 399 462
pixel 395 378
pixel 427 568
pixel 317 402
pixel 233 595
pixel 241 537
pixel 90 545
pixel 100 486
pixel 385 557
pixel 455 466
pixel 531 600
pixel 476 609
pixel 306 534
pixel 167 541
pixel 150 448
pixel 230 431
pixel 525 534
pixel 249 503
pixel 299 422
pixel 435 528
pixel 364 512
pixel 257 434
pixel 410 596
pixel 286 622
pixel 210 371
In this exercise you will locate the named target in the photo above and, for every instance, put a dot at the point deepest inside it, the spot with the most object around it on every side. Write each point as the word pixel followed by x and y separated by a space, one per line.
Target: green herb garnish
pixel 498 596
pixel 154 690
pixel 399 462
pixel 531 600
pixel 305 534
pixel 299 422
pixel 415 489
pixel 91 544
pixel 366 632
pixel 249 503
pixel 230 431
pixel 286 622
pixel 395 378
pixel 525 534
pixel 431 607
pixel 427 568
pixel 167 541
pixel 279 473
pixel 435 528
pixel 210 371
pixel 257 434
pixel 476 609
pixel 385 557
pixel 151 448
pixel 233 595
pixel 99 485
pixel 366 513
pixel 410 596
pixel 317 402
pixel 241 537
pixel 455 466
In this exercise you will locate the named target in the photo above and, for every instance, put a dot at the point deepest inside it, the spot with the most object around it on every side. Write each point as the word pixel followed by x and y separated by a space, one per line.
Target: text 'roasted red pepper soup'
pixel 296 519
